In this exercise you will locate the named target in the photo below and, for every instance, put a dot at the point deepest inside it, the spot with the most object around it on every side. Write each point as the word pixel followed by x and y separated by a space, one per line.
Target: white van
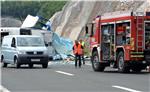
pixel 46 35
pixel 24 49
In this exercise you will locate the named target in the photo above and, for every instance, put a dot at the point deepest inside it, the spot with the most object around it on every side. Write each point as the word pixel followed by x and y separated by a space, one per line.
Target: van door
pixel 6 49
pixel 12 51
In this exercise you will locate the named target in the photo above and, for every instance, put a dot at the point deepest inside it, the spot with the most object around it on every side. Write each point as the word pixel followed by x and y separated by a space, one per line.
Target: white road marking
pixel 3 89
pixel 127 89
pixel 88 64
pixel 61 72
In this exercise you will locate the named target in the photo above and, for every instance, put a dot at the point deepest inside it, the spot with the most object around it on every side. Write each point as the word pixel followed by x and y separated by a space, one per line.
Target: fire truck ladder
pixel 140 33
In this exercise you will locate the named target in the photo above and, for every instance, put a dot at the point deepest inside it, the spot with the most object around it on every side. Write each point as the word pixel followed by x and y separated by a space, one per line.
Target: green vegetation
pixel 87 49
pixel 20 9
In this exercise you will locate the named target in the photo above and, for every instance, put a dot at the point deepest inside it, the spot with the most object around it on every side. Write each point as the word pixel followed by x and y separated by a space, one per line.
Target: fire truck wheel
pixel 136 69
pixel 122 66
pixel 97 66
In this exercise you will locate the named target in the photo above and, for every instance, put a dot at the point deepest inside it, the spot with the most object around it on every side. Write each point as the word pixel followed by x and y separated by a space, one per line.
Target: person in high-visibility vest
pixel 83 45
pixel 77 50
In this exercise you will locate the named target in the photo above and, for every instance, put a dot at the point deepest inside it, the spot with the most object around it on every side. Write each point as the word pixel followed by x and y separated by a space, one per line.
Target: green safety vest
pixel 83 44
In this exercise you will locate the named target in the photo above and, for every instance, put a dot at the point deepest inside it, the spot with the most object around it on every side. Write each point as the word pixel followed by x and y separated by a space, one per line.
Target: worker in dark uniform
pixel 77 50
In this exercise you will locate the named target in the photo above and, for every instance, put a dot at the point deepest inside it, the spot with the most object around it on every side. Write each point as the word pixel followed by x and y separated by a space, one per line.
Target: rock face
pixel 72 18
pixel 69 22
pixel 10 22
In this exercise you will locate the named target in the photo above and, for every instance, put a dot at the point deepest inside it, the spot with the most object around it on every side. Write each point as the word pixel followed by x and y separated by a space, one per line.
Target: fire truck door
pixel 147 34
pixel 107 44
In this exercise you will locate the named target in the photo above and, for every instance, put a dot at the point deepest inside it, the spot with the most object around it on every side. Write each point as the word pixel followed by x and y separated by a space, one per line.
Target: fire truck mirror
pixel 92 33
pixel 86 29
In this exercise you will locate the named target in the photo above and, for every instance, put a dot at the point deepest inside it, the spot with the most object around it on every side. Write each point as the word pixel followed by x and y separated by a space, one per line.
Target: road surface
pixel 64 77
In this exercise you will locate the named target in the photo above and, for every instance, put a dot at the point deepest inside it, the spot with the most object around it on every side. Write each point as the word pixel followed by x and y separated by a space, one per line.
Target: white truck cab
pixel 24 49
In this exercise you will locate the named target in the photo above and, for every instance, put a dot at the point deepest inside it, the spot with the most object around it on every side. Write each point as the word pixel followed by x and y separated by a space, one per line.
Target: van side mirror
pixel 46 44
pixel 13 45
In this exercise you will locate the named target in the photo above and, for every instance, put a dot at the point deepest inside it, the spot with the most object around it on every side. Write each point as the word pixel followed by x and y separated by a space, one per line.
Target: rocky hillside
pixel 14 11
pixel 71 20
pixel 10 22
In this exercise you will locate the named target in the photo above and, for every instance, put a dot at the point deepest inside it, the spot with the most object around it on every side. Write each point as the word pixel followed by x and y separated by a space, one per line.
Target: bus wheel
pixel 122 66
pixel 97 66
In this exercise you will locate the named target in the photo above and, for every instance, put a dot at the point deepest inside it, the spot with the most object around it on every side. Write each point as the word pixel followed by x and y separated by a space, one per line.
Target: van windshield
pixel 29 41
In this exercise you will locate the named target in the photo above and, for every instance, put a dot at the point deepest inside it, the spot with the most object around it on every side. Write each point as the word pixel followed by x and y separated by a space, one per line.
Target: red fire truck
pixel 120 40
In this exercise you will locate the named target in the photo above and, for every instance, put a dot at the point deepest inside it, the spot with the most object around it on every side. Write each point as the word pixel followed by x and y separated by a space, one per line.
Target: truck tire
pixel 122 66
pixel 17 65
pixel 45 65
pixel 136 69
pixel 30 65
pixel 3 63
pixel 97 66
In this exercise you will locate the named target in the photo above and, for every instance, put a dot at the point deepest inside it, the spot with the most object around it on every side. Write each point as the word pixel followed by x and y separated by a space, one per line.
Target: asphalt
pixel 64 77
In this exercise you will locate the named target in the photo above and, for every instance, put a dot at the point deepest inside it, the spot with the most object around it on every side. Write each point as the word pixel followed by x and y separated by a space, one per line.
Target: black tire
pixel 17 65
pixel 3 63
pixel 30 65
pixel 45 65
pixel 122 66
pixel 136 69
pixel 97 66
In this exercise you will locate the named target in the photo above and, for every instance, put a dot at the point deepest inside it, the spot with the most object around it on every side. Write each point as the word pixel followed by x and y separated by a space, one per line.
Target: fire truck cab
pixel 120 40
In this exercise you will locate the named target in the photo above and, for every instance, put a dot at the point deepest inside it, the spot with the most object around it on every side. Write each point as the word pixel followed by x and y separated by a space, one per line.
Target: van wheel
pixel 17 65
pixel 122 66
pixel 44 65
pixel 3 63
pixel 97 66
pixel 30 65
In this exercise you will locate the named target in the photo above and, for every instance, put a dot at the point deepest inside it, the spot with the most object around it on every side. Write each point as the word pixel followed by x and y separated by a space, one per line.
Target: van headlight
pixel 45 52
pixel 21 52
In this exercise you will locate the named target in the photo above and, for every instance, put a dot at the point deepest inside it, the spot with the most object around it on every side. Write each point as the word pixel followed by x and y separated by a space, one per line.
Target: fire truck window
pixel 107 41
pixel 93 29
pixel 108 33
pixel 123 33
pixel 147 34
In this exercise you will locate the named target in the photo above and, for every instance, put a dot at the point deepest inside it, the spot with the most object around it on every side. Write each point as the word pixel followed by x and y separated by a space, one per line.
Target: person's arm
pixel 82 47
